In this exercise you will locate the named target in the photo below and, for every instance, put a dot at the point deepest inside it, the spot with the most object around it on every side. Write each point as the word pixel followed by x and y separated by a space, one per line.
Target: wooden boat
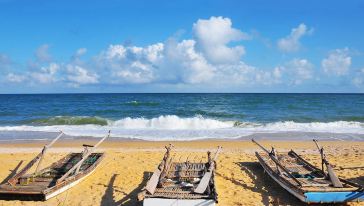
pixel 55 179
pixel 181 183
pixel 307 182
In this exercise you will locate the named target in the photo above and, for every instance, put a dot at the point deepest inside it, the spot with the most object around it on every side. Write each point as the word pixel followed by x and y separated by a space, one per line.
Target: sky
pixel 92 46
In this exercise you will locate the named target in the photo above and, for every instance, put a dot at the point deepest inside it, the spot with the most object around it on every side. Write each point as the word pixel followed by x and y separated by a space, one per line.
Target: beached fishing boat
pixel 307 182
pixel 46 183
pixel 181 183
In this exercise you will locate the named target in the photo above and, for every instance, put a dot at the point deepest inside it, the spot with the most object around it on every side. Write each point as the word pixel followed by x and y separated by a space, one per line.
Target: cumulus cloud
pixel 212 36
pixel 15 78
pixel 337 63
pixel 131 64
pixel 46 74
pixel 189 64
pixel 291 43
pixel 211 58
pixel 301 70
pixel 78 75
pixel 190 61
pixel 42 53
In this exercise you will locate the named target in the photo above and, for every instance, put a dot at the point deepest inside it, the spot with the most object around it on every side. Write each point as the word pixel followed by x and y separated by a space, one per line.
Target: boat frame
pixel 58 177
pixel 311 193
pixel 165 187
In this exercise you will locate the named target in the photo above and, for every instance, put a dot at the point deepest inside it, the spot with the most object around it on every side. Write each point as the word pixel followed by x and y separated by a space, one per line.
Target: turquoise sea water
pixel 182 116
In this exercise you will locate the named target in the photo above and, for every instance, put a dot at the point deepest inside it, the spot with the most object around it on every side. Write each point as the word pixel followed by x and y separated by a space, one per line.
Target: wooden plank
pixel 273 158
pixel 85 155
pixel 153 181
pixel 333 177
pixel 12 181
pixel 201 187
pixel 45 148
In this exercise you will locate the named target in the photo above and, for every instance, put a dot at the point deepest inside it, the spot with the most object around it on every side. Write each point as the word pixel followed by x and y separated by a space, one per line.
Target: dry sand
pixel 127 166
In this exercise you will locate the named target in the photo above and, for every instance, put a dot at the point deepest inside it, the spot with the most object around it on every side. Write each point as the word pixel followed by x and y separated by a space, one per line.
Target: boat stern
pixel 179 202
pixel 334 197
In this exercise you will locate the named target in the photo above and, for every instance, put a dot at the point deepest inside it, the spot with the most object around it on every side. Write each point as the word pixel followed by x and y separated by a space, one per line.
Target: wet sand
pixel 128 165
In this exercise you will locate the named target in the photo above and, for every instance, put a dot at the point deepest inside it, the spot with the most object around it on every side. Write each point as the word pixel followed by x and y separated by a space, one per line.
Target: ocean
pixel 182 116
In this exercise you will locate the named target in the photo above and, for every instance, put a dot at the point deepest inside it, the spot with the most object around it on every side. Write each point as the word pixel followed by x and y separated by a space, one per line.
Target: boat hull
pixel 179 202
pixel 66 187
pixel 314 197
pixel 334 197
pixel 33 193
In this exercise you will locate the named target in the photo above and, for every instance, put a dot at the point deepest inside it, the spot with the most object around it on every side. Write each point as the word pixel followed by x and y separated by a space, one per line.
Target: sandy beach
pixel 128 165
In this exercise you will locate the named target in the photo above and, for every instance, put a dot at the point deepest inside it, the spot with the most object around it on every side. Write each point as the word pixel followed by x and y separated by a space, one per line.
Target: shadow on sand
pixel 358 180
pixel 12 172
pixel 272 193
pixel 130 199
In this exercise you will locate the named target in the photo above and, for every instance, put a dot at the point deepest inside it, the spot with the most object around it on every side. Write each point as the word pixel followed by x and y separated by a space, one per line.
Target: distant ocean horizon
pixel 182 116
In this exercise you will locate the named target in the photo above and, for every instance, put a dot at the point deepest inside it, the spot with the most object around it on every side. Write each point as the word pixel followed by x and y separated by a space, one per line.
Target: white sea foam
pixel 172 122
pixel 171 127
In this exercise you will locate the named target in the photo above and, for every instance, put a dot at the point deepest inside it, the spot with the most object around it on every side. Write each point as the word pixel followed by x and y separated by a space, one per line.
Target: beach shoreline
pixel 128 165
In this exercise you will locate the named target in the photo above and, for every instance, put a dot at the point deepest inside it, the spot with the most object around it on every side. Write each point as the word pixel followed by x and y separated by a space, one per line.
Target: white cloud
pixel 301 70
pixel 78 75
pixel 131 64
pixel 213 35
pixel 46 74
pixel 187 62
pixel 291 43
pixel 207 60
pixel 190 61
pixel 42 53
pixel 15 78
pixel 338 62
pixel 137 73
pixel 358 80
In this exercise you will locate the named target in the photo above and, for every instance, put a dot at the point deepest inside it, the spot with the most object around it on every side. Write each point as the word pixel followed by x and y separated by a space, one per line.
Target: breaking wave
pixel 172 127
pixel 69 120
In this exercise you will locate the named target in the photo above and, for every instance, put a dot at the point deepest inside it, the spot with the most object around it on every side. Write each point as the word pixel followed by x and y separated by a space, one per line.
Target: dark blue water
pixel 179 111
pixel 260 108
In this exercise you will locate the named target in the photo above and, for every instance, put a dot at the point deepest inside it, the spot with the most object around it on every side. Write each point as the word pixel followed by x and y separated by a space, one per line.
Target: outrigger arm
pixel 202 186
pixel 87 152
pixel 154 180
pixel 12 181
pixel 333 177
pixel 275 160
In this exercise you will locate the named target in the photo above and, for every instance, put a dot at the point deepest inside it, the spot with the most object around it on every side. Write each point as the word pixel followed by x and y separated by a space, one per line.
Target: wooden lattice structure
pixel 53 180
pixel 178 181
pixel 307 182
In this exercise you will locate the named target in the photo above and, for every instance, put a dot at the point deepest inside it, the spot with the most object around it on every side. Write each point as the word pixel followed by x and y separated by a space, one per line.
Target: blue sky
pixel 181 46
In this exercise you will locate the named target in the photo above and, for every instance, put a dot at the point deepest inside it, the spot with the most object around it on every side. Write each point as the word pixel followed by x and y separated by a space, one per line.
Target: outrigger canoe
pixel 181 183
pixel 307 182
pixel 46 183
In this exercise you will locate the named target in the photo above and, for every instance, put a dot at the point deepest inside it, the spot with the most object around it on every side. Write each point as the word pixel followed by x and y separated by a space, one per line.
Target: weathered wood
pixel 44 186
pixel 153 181
pixel 45 148
pixel 87 152
pixel 160 171
pixel 12 181
pixel 179 182
pixel 316 187
pixel 333 177
pixel 207 176
pixel 275 160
